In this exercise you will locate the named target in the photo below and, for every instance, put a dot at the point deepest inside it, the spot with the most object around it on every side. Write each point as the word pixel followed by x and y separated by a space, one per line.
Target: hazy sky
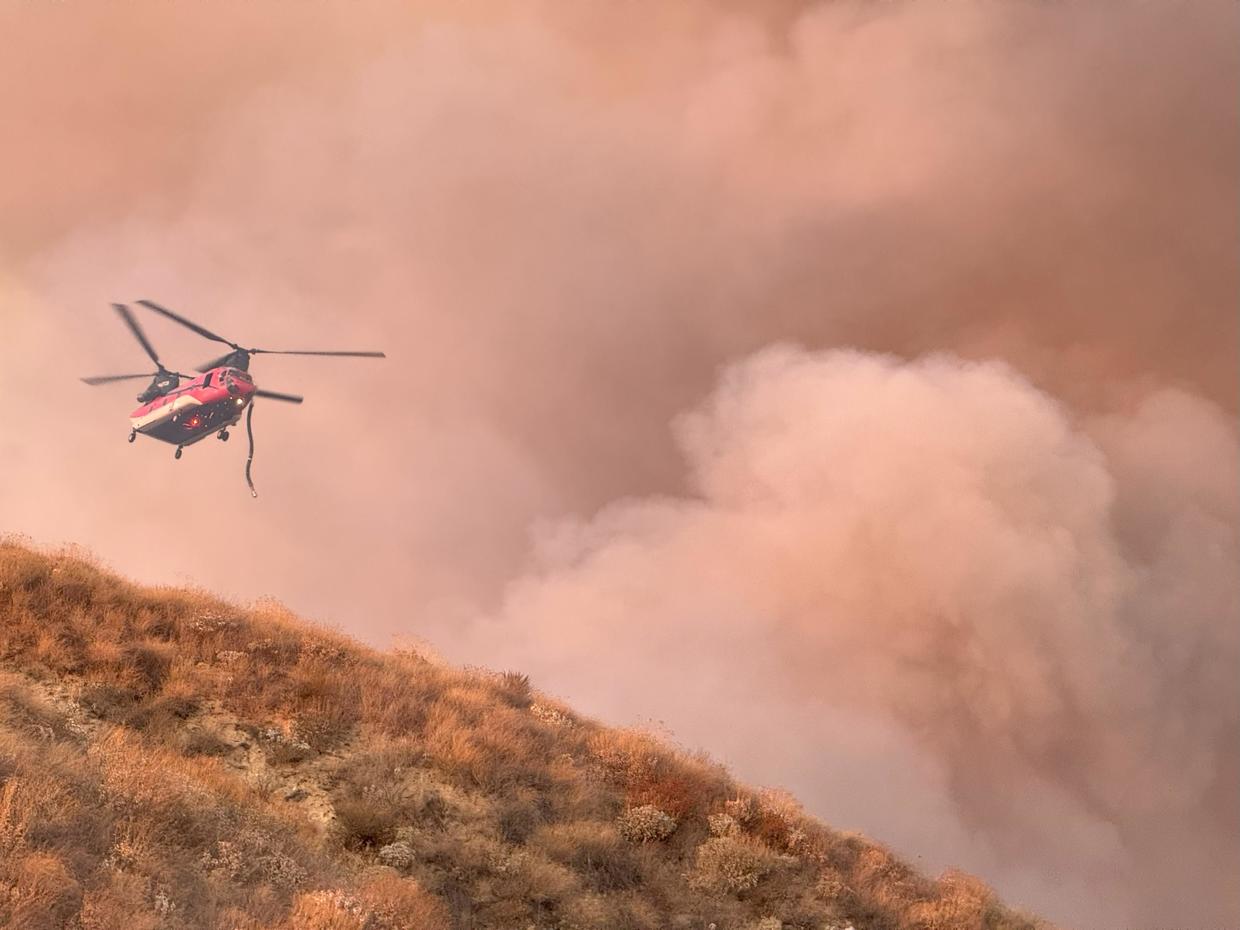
pixel 849 386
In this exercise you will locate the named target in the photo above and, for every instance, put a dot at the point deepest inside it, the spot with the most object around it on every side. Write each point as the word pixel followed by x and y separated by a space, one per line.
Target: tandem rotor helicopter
pixel 185 413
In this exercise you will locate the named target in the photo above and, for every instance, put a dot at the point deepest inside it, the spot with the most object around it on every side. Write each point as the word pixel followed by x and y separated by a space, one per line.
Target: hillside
pixel 170 761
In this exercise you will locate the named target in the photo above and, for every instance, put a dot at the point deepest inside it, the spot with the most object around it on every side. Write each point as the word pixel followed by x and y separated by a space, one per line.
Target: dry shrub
pixel 147 664
pixel 381 761
pixel 586 911
pixel 743 809
pixel 723 825
pixel 41 893
pixel 15 815
pixel 197 807
pixel 160 718
pixel 396 696
pixel 119 904
pixel 732 864
pixel 552 715
pixel 62 650
pixel 381 791
pixel 32 717
pixel 362 823
pixel 384 903
pixel 368 815
pixel 778 820
pixel 325 910
pixel 497 749
pixel 595 851
pixel 395 903
pixel 251 856
pixel 514 689
pixel 32 806
pixel 645 824
pixel 111 702
pixel 325 702
pixel 961 903
pixel 520 815
pixel 528 875
pixel 590 910
pixel 204 743
pixel 653 774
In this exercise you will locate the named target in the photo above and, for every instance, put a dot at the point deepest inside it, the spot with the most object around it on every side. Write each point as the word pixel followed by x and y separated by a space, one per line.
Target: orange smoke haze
pixel 849 385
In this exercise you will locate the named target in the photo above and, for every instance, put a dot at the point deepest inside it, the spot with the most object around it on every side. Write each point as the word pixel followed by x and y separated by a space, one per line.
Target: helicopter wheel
pixel 133 434
pixel 178 452
pixel 222 435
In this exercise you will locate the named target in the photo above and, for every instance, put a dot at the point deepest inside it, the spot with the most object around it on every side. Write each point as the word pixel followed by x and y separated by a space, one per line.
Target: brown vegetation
pixel 170 761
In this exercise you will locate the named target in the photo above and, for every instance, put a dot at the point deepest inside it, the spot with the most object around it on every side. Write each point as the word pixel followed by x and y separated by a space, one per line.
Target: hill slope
pixel 170 761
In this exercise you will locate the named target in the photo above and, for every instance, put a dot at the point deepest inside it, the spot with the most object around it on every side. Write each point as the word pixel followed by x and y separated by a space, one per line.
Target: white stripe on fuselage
pixel 162 413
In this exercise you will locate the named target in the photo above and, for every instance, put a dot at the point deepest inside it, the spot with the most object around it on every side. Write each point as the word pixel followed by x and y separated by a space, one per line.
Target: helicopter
pixel 184 409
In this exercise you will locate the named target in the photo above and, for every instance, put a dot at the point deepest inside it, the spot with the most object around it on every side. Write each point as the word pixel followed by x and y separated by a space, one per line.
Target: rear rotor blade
pixel 307 352
pixel 272 395
pixel 138 333
pixel 188 324
pixel 107 379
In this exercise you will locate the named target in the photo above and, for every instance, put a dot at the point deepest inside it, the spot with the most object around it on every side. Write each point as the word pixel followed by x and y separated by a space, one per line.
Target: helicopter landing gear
pixel 178 452
pixel 222 435
pixel 133 434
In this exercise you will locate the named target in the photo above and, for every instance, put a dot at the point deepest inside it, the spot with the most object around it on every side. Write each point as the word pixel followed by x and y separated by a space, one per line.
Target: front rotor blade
pixel 189 324
pixel 138 333
pixel 211 366
pixel 272 395
pixel 107 379
pixel 299 352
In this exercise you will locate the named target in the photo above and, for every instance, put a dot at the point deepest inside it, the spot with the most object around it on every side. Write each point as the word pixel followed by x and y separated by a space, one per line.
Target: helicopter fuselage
pixel 183 414
pixel 196 409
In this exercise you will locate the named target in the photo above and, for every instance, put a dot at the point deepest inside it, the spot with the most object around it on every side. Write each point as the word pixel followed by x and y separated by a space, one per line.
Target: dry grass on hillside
pixel 169 761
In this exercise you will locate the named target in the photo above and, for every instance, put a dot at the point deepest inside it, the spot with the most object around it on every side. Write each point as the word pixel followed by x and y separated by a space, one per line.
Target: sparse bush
pixel 514 688
pixel 651 773
pixel 398 855
pixel 250 857
pixel 723 825
pixel 362 822
pixel 211 622
pixel 109 701
pixel 147 664
pixel 552 716
pixel 204 743
pixel 330 654
pixel 41 893
pixel 401 904
pixel 119 904
pixel 645 824
pixel 732 864
pixel 282 747
pixel 529 875
pixel 744 810
pixel 593 850
pixel 518 817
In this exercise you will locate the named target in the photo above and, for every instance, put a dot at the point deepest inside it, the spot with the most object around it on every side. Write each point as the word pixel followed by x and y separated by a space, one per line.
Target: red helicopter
pixel 211 402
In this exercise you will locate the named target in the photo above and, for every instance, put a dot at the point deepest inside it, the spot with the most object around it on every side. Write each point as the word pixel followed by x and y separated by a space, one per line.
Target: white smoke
pixel 1044 606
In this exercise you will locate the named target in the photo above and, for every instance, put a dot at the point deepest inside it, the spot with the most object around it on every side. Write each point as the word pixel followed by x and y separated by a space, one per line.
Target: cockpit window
pixel 234 379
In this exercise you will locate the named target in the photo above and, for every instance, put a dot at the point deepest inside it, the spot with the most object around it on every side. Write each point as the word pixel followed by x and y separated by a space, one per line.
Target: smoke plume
pixel 940 546
pixel 960 571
